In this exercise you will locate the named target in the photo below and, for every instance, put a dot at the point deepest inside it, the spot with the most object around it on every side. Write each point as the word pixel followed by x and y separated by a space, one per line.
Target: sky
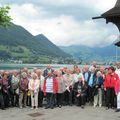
pixel 65 22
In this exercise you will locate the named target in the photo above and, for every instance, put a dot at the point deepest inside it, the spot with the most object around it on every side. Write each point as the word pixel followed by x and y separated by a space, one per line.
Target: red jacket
pixel 110 80
pixel 55 86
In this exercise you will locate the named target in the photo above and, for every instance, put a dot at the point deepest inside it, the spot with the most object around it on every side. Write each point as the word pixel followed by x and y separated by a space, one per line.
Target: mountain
pixel 96 53
pixel 47 45
pixel 17 43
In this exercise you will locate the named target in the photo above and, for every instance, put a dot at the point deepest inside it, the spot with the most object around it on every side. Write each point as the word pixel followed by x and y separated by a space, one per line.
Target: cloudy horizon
pixel 65 22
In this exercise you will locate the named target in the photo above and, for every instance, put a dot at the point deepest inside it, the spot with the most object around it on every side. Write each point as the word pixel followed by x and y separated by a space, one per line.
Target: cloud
pixel 70 25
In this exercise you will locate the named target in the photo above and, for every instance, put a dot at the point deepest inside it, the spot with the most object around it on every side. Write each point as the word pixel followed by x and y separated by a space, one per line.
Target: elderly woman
pixel 80 91
pixel 98 84
pixel 69 81
pixel 15 89
pixel 34 85
pixel 61 88
pixel 23 88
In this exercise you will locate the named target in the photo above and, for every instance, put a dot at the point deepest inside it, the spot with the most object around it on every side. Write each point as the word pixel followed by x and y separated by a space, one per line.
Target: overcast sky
pixel 65 22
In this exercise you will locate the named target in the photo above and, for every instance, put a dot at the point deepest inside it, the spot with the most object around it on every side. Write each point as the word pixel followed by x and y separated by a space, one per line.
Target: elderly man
pixel 48 69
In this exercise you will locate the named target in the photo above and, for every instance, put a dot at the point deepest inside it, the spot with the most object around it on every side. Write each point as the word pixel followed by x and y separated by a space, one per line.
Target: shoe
pixel 117 110
pixel 52 107
pixel 47 107
pixel 32 108
pixel 82 106
pixel 36 108
pixel 60 106
pixel 107 108
pixel 21 107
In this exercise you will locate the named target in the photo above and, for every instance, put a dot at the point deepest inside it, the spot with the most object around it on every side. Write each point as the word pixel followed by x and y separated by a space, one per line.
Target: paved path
pixel 64 113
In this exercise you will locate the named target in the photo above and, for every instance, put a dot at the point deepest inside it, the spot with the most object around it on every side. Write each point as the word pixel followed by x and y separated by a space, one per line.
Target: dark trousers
pixel 6 98
pixel 1 101
pixel 80 100
pixel 14 99
pixel 50 97
pixel 110 94
pixel 59 98
pixel 68 97
pixel 90 94
pixel 40 98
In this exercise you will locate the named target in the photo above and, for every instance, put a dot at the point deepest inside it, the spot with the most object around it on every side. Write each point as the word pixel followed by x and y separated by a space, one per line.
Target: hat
pixel 111 68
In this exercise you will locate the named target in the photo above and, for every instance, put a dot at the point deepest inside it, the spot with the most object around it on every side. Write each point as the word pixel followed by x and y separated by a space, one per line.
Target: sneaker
pixel 21 107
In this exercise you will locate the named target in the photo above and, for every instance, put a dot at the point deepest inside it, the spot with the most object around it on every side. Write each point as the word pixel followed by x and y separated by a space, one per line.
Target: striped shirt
pixel 49 85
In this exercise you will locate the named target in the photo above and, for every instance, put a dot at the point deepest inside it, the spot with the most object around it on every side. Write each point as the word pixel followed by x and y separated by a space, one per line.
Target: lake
pixel 31 66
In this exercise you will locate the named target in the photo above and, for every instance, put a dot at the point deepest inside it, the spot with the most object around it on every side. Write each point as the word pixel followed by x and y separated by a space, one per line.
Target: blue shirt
pixel 91 80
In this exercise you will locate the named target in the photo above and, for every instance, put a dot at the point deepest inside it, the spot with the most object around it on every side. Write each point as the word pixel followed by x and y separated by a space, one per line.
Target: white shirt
pixel 118 72
pixel 49 85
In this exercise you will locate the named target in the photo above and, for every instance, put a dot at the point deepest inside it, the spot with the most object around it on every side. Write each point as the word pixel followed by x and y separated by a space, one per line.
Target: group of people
pixel 94 85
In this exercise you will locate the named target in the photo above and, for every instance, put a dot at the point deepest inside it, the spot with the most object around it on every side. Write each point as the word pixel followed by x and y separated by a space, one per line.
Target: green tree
pixel 5 19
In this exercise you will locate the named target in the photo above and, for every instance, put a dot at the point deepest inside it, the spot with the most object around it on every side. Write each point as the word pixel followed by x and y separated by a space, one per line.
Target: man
pixel 117 87
pixel 50 88
pixel 90 84
pixel 48 69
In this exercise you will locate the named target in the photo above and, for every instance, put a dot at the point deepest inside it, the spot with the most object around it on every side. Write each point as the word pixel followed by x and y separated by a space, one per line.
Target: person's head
pixel 25 70
pixel 15 73
pixel 67 71
pixel 5 75
pixel 118 65
pixel 75 67
pixel 48 66
pixel 59 73
pixel 102 69
pixel 35 69
pixel 77 70
pixel 55 72
pixel 111 70
pixel 71 71
pixel 99 74
pixel 38 72
pixel 92 69
pixel 24 75
pixel 94 64
pixel 80 79
pixel 50 74
pixel 85 68
pixel 34 76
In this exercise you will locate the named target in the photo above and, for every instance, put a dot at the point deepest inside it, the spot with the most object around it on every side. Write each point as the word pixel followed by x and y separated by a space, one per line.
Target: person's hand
pixel 96 86
pixel 104 89
pixel 78 95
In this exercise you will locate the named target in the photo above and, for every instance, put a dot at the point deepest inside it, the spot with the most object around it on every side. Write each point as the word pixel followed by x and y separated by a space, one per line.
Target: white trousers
pixel 118 101
pixel 34 99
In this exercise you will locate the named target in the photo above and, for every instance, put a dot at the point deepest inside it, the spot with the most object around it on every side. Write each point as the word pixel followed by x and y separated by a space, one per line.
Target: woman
pixel 98 83
pixel 109 86
pixel 69 81
pixel 34 85
pixel 5 86
pixel 61 88
pixel 23 89
pixel 80 92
